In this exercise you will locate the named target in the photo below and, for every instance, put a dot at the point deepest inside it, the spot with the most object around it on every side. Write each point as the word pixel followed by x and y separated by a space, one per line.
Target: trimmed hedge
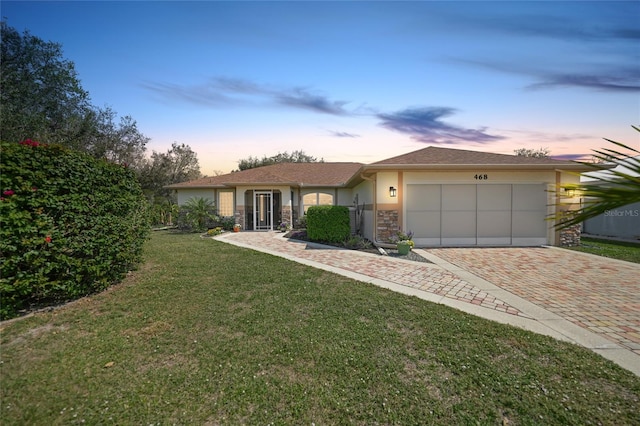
pixel 70 225
pixel 328 223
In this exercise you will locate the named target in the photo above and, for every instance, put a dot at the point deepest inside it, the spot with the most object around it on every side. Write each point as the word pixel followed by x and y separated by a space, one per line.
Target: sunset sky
pixel 354 81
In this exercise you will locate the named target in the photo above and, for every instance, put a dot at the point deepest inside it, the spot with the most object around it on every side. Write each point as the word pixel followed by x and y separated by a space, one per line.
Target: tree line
pixel 42 100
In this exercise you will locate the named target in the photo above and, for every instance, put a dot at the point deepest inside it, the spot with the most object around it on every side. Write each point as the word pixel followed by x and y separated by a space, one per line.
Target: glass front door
pixel 263 210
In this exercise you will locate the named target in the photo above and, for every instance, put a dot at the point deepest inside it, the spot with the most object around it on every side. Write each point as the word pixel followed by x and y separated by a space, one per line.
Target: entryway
pixel 263 209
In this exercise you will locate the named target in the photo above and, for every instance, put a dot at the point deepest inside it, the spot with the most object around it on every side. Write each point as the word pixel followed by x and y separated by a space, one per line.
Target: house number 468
pixel 481 177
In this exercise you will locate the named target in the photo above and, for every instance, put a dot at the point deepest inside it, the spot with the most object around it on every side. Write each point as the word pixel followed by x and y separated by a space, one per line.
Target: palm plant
pixel 199 211
pixel 611 189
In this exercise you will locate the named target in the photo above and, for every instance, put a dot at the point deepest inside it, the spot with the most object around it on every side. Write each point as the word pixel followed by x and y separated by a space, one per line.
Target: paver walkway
pixel 596 293
pixel 422 276
pixel 587 299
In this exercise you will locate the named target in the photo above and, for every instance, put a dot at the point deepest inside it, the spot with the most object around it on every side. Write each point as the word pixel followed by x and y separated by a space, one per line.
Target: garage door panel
pixel 494 224
pixel 423 223
pixel 528 224
pixel 423 197
pixel 428 242
pixel 459 224
pixel 458 197
pixel 494 197
pixel 529 197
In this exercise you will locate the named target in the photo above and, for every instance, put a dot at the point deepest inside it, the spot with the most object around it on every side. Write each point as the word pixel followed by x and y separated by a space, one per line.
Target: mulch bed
pixel 302 235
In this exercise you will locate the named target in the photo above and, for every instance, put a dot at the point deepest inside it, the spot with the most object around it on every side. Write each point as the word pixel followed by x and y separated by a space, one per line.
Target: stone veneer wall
pixel 387 224
pixel 570 236
pixel 239 216
pixel 286 216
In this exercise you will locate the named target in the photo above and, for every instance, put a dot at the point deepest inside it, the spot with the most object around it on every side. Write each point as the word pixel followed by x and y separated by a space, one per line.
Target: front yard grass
pixel 620 250
pixel 209 333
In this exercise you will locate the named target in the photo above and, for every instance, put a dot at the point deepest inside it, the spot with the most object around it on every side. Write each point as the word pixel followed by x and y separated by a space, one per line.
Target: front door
pixel 263 210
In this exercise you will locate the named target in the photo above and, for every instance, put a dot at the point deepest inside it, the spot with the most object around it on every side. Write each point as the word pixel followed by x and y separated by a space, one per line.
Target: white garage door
pixel 454 215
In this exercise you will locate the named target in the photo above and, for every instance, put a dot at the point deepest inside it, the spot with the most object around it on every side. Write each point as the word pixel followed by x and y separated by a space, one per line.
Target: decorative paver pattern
pixel 423 276
pixel 596 293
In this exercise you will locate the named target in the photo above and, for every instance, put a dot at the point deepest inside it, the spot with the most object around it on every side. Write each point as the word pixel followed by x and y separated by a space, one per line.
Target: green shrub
pixel 302 222
pixel 328 223
pixel 70 225
pixel 357 242
pixel 197 214
pixel 227 223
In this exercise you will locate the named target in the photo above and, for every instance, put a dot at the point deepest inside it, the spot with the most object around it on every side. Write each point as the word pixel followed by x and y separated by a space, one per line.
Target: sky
pixel 354 81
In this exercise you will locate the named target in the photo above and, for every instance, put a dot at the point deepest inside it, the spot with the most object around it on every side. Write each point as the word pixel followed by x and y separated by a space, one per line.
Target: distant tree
pixel 41 96
pixel 281 157
pixel 611 189
pixel 535 153
pixel 117 142
pixel 178 164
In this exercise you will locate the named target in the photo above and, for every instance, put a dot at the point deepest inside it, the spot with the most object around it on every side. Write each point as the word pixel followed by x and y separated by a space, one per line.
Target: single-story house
pixel 446 197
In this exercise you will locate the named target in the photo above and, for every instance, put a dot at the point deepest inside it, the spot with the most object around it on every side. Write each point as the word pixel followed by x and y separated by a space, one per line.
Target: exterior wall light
pixel 392 191
pixel 569 192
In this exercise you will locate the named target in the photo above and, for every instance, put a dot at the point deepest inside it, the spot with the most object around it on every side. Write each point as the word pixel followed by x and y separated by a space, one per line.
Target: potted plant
pixel 237 227
pixel 404 242
pixel 404 246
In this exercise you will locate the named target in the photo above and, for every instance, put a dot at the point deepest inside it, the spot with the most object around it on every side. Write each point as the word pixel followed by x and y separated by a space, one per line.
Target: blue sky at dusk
pixel 354 81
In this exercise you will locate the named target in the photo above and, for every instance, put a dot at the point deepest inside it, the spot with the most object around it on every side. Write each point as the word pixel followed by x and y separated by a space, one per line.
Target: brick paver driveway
pixel 599 294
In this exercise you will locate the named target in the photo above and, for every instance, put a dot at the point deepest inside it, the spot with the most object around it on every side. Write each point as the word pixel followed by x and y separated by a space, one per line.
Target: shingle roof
pixel 295 174
pixel 343 174
pixel 445 156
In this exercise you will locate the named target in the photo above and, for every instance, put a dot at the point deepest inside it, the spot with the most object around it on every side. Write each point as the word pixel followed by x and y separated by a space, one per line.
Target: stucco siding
pixel 185 195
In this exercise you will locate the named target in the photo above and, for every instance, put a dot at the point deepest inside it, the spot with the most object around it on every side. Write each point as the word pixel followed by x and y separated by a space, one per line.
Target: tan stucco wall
pixel 493 176
pixel 384 181
pixel 185 195
pixel 400 179
pixel 364 191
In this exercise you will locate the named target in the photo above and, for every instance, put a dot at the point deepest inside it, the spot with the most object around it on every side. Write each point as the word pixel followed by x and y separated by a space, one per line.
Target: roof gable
pixel 446 156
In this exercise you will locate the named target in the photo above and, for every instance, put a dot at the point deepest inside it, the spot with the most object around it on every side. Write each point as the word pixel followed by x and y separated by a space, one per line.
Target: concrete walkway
pixel 584 299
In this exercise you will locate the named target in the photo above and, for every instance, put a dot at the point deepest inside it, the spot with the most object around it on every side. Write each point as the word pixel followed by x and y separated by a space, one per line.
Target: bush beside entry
pixel 70 225
pixel 328 223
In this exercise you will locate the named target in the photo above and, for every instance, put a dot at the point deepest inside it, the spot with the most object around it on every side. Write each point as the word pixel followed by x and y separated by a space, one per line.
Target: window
pixel 225 203
pixel 316 199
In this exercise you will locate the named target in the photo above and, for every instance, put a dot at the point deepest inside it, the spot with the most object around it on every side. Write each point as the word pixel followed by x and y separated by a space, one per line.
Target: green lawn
pixel 208 333
pixel 628 251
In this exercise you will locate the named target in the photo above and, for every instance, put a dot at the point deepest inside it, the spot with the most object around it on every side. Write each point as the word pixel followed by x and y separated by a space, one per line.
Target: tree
pixel 120 143
pixel 281 157
pixel 41 96
pixel 611 189
pixel 197 214
pixel 178 164
pixel 535 153
pixel 42 99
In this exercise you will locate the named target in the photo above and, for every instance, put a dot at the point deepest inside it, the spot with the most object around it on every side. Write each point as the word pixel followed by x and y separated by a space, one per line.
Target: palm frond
pixel 611 189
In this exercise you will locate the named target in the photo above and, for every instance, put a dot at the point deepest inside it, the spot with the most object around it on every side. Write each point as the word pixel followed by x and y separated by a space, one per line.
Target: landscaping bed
pixel 359 244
